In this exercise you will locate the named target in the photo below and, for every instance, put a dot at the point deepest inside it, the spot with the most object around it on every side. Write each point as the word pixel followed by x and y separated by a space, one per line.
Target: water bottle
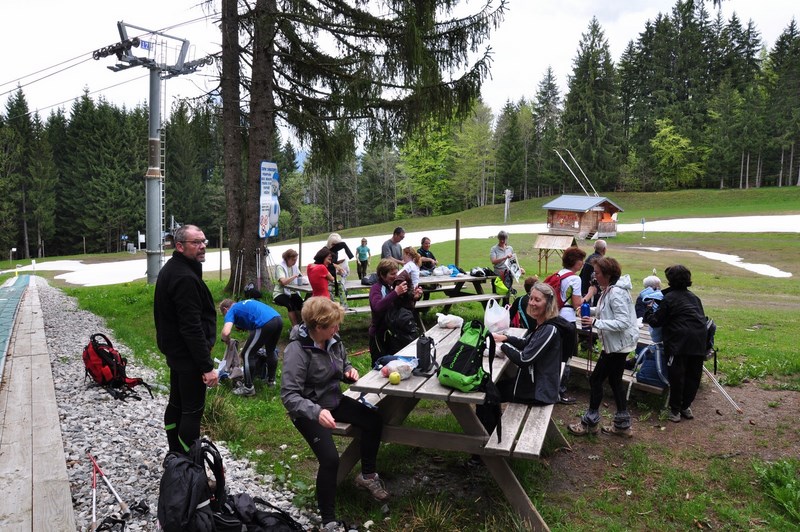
pixel 586 311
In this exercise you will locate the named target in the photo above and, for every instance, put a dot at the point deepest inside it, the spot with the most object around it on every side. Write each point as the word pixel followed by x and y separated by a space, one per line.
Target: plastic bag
pixel 449 321
pixel 496 317
pixel 403 367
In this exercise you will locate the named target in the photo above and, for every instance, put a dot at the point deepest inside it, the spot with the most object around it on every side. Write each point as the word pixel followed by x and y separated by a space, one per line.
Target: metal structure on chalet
pixel 159 71
pixel 573 217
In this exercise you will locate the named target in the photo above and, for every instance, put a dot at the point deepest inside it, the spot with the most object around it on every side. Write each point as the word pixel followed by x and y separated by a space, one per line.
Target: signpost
pixel 643 229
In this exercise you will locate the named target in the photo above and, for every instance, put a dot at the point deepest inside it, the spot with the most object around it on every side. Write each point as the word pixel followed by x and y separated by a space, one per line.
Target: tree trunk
pixel 791 164
pixel 231 135
pixel 780 174
pixel 741 171
pixel 747 173
pixel 25 224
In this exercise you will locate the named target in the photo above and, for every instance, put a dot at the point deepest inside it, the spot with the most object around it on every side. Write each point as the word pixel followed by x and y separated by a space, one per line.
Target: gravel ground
pixel 127 439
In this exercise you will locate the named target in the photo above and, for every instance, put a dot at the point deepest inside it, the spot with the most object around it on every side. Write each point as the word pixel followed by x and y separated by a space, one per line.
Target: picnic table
pixel 452 287
pixel 524 427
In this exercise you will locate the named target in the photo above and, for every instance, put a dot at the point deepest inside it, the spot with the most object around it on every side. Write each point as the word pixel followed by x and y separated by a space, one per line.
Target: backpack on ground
pixel 651 366
pixel 401 330
pixel 106 367
pixel 273 519
pixel 187 500
pixel 711 351
pixel 554 280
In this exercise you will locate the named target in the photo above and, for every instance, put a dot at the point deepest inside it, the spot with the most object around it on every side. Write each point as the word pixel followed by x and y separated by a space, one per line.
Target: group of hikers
pixel 315 361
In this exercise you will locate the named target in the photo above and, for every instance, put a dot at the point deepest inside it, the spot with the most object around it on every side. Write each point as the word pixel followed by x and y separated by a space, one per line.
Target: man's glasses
pixel 195 242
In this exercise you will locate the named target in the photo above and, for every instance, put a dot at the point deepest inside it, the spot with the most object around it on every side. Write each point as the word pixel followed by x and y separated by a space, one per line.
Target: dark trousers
pixel 266 337
pixel 684 380
pixel 609 366
pixel 361 268
pixel 187 399
pixel 294 303
pixel 321 442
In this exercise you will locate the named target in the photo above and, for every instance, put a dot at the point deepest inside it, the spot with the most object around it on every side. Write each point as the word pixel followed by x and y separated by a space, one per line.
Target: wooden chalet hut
pixel 582 216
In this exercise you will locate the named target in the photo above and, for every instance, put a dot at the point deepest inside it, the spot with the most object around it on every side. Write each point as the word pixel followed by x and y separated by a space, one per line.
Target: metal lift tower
pixel 154 179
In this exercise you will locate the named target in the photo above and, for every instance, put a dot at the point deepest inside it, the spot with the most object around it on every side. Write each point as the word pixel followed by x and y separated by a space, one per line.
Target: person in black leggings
pixel 314 363
pixel 264 325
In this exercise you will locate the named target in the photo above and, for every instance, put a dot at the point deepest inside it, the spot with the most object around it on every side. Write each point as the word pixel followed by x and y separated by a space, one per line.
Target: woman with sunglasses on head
pixel 537 355
pixel 615 319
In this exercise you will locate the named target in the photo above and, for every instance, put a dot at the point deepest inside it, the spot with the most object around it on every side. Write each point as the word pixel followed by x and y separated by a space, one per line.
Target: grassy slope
pixel 748 308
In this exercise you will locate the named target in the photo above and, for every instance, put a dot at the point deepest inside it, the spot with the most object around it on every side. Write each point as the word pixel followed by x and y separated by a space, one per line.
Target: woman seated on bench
pixel 537 356
pixel 314 363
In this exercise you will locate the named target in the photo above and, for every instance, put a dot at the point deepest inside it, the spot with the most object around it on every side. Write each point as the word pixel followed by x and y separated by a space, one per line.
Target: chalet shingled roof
pixel 580 204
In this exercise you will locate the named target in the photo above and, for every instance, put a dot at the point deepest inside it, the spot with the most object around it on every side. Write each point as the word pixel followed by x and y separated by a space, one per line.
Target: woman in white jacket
pixel 615 319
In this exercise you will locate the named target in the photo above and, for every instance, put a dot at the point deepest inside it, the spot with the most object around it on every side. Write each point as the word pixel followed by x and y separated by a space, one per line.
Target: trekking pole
pixel 722 390
pixel 126 513
pixel 93 526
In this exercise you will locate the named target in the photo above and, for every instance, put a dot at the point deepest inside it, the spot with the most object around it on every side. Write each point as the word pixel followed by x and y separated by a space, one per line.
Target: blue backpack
pixel 651 366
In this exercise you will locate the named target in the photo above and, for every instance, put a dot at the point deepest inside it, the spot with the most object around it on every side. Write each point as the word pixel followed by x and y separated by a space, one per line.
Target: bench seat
pixel 580 365
pixel 524 429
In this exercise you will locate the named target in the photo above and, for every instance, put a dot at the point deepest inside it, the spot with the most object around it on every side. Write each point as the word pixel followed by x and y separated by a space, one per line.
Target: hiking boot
pixel 675 417
pixel 579 429
pixel 564 400
pixel 271 383
pixel 245 391
pixel 622 433
pixel 374 485
pixel 474 461
pixel 686 413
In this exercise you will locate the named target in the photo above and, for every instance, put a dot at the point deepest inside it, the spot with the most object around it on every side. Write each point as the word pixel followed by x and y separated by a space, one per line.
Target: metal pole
pixel 153 181
pixel 458 240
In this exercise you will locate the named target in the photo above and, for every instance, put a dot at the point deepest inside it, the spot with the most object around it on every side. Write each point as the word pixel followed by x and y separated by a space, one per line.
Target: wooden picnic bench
pixel 525 428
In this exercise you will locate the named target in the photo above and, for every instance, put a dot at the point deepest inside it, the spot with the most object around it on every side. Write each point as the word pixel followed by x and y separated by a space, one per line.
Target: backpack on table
pixel 107 368
pixel 462 367
pixel 554 280
pixel 401 330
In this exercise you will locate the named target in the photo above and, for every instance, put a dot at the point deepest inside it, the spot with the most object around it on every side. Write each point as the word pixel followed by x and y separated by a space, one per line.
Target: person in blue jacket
pixel 264 325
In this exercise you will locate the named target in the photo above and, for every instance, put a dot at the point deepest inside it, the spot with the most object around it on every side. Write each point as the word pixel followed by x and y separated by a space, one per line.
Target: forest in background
pixel 694 101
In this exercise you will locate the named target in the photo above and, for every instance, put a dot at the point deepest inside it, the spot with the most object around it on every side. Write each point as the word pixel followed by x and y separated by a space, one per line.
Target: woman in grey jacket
pixel 314 364
pixel 615 319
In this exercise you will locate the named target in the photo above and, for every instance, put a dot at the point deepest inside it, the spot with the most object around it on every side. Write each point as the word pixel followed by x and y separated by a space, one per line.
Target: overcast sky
pixel 39 34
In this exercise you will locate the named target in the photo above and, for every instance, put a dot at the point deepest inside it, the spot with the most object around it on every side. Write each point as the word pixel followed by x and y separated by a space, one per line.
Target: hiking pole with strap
pixel 722 390
pixel 126 513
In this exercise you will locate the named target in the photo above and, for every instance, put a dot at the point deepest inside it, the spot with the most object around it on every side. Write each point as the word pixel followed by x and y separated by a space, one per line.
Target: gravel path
pixel 127 439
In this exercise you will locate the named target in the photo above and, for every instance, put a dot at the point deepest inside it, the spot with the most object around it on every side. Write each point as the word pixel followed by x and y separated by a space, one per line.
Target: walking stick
pixel 93 526
pixel 722 390
pixel 126 513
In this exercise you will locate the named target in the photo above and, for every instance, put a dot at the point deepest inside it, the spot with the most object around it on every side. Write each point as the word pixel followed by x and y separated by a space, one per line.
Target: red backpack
pixel 554 280
pixel 106 367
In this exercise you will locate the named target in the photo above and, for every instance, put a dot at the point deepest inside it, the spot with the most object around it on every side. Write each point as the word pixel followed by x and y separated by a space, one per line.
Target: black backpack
pixel 107 368
pixel 401 330
pixel 186 501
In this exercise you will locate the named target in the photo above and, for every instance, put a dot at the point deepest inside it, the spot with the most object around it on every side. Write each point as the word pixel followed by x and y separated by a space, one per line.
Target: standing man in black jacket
pixel 186 329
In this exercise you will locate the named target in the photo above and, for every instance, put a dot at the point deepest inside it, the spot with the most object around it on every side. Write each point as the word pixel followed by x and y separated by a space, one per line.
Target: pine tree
pixel 385 73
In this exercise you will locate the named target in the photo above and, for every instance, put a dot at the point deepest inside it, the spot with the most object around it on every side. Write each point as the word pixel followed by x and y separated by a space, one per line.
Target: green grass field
pixel 757 318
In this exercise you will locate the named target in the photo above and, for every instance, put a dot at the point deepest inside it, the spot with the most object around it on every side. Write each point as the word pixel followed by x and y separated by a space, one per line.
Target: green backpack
pixel 462 368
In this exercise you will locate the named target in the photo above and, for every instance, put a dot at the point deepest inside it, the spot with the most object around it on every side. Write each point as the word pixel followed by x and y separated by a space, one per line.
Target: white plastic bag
pixel 403 367
pixel 449 321
pixel 496 317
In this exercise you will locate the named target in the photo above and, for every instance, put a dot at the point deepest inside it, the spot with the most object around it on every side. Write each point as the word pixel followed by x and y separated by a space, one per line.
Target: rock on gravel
pixel 127 439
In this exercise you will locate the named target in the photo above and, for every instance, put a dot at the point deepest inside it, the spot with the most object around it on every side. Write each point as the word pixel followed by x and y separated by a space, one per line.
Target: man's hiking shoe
pixel 579 429
pixel 675 417
pixel 564 400
pixel 271 383
pixel 374 485
pixel 686 413
pixel 245 391
pixel 622 433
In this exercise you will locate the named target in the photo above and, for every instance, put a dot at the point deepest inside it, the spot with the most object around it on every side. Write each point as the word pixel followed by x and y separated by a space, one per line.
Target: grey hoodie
pixel 616 318
pixel 311 376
